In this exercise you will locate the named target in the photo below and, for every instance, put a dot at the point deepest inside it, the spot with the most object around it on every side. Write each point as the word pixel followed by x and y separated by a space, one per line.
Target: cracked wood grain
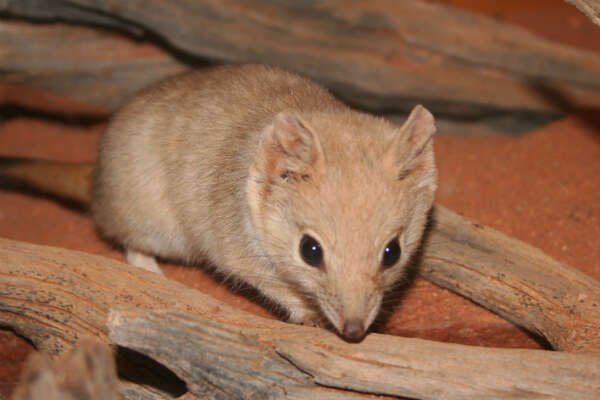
pixel 275 364
pixel 513 279
pixel 383 55
pixel 54 297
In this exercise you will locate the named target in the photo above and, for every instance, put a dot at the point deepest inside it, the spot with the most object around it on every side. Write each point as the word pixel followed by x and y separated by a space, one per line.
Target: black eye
pixel 311 251
pixel 391 254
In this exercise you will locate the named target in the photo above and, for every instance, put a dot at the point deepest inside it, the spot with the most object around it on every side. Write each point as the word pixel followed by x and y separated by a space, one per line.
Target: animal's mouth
pixel 351 329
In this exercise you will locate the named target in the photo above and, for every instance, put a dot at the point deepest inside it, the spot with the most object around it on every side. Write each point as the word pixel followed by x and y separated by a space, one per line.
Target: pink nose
pixel 353 330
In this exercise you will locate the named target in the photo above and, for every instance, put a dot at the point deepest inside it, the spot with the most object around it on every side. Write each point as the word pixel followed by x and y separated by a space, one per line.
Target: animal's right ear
pixel 417 132
pixel 288 147
pixel 412 150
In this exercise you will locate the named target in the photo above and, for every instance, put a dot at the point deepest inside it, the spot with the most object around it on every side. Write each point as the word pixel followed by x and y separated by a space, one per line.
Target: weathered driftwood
pixel 88 371
pixel 513 279
pixel 93 66
pixel 381 55
pixel 54 296
pixel 242 360
pixel 591 8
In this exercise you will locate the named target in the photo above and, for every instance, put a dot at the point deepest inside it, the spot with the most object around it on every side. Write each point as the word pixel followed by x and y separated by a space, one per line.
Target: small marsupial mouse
pixel 267 176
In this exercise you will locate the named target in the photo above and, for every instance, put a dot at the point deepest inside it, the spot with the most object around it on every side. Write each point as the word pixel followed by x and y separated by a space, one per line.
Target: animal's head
pixel 340 200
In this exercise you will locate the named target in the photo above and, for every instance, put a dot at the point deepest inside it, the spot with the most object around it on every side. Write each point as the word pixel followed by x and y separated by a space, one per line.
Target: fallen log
pixel 244 361
pixel 383 56
pixel 55 296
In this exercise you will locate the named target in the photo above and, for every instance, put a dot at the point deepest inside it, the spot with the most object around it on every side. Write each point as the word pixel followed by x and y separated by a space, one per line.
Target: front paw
pixel 303 315
pixel 312 319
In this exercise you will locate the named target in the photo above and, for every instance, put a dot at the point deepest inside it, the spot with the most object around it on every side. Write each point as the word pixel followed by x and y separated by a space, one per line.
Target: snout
pixel 353 330
pixel 352 316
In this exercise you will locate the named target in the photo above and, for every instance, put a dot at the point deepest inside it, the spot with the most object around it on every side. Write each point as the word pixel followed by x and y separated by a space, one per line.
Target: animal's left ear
pixel 413 148
pixel 288 146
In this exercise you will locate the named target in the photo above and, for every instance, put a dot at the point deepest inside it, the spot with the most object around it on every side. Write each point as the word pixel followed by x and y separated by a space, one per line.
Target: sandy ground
pixel 542 188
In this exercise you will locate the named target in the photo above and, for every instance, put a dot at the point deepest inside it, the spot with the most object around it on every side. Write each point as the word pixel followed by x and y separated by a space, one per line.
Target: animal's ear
pixel 413 147
pixel 288 146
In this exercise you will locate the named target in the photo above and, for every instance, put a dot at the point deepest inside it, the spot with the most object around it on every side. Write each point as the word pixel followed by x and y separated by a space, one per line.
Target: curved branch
pixel 53 296
pixel 513 279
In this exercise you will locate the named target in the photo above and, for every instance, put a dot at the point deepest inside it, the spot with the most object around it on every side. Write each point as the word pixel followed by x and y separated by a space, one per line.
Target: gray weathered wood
pixel 513 279
pixel 133 391
pixel 382 55
pixel 54 296
pixel 242 360
pixel 93 66
pixel 87 372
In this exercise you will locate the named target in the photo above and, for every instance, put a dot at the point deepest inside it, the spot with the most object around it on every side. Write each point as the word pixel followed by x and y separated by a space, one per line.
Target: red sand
pixel 542 188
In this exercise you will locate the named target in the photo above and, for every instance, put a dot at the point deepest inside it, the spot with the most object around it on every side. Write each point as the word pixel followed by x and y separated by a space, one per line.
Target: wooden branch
pixel 513 279
pixel 89 65
pixel 245 361
pixel 382 55
pixel 591 8
pixel 88 371
pixel 54 296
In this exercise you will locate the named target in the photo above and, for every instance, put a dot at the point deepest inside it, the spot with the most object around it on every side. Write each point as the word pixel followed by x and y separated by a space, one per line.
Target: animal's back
pixel 172 163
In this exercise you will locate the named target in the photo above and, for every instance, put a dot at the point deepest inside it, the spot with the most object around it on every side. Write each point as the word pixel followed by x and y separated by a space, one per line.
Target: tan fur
pixel 235 164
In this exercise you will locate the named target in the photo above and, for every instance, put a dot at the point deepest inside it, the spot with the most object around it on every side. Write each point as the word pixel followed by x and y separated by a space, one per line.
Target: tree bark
pixel 383 55
pixel 55 296
pixel 245 361
pixel 92 66
pixel 513 279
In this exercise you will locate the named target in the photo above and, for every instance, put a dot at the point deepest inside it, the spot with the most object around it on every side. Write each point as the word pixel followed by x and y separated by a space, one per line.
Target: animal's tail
pixel 69 181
